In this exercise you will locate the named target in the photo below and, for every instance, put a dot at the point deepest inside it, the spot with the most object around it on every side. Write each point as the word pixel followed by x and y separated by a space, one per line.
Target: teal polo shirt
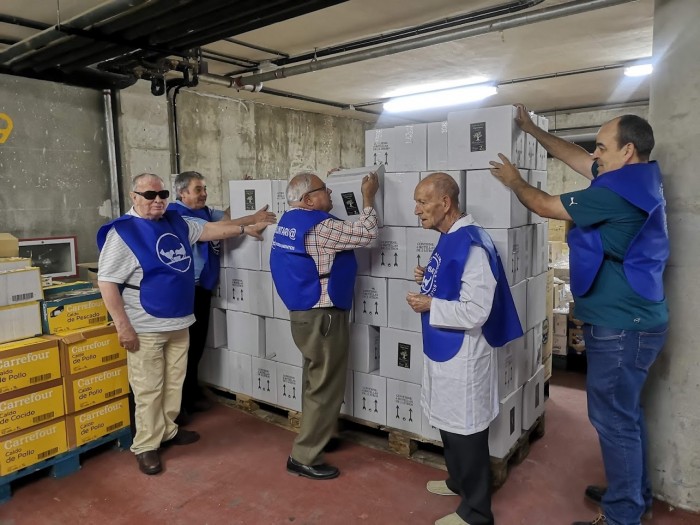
pixel 611 301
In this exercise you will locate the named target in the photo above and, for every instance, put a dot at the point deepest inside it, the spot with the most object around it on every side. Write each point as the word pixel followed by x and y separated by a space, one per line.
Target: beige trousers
pixel 156 374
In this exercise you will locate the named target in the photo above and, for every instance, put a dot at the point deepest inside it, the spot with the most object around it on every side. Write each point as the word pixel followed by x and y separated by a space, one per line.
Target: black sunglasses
pixel 150 194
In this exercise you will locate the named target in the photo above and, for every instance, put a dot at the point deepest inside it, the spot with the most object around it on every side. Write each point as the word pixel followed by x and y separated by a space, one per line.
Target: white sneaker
pixel 451 519
pixel 439 488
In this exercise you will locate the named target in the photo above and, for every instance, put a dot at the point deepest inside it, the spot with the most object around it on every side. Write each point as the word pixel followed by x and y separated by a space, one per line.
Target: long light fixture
pixel 439 99
pixel 639 70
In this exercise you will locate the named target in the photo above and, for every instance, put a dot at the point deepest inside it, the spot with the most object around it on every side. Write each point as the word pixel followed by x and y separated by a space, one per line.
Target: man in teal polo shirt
pixel 618 252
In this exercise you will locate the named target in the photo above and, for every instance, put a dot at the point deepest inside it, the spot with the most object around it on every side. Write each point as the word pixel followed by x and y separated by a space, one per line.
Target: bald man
pixel 618 251
pixel 466 311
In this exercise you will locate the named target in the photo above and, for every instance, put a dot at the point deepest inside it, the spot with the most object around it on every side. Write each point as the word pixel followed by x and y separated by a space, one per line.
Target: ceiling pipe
pixel 507 22
pixel 23 22
pixel 54 34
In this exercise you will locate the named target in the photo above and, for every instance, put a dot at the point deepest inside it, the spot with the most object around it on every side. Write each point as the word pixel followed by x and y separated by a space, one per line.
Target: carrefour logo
pixel 290 233
pixel 173 253
pixel 429 284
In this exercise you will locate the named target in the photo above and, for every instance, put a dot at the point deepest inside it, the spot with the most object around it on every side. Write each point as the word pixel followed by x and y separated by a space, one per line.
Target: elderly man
pixel 466 310
pixel 191 204
pixel 618 252
pixel 146 276
pixel 313 267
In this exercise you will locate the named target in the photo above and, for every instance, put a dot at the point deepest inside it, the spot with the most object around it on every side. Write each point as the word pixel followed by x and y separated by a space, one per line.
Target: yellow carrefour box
pixel 20 321
pixel 9 245
pixel 21 285
pixel 72 311
pixel 28 362
pixel 86 349
pixel 26 447
pixel 95 386
pixel 31 406
pixel 95 422
pixel 58 288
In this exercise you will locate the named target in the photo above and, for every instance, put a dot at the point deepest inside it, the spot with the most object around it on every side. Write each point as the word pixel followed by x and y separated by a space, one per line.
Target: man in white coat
pixel 466 310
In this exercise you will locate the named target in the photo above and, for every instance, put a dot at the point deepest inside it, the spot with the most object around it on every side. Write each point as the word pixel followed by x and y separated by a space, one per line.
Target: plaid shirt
pixel 331 236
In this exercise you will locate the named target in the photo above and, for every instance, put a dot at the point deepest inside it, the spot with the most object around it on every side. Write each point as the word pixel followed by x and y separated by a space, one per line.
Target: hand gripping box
pixel 27 363
pixel 27 447
pixel 86 349
pixel 95 422
pixel 31 406
pixel 73 310
pixel 95 386
pixel 346 193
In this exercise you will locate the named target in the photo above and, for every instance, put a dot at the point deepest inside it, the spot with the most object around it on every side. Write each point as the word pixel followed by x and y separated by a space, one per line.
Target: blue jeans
pixel 618 365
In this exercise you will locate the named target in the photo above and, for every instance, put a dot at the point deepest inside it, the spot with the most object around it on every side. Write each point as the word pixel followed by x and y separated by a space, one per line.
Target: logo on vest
pixel 173 253
pixel 290 233
pixel 429 285
pixel 572 202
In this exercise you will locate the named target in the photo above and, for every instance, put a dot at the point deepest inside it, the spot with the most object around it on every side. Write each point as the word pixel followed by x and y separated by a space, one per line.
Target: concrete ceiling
pixel 569 62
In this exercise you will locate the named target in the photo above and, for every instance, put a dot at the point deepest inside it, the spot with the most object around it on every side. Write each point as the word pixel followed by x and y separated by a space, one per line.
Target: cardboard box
pixel 369 397
pixel 20 321
pixel 411 143
pixel 218 294
pixel 95 386
pixel 460 177
pixel 561 323
pixel 20 286
pixel 346 407
pixel 388 253
pixel 266 245
pixel 370 306
pixel 264 379
pixel 279 310
pixel 30 446
pixel 559 345
pixel 401 355
pixel 240 379
pixel 346 193
pixel 243 252
pixel 547 368
pixel 379 148
pixel 536 300
pixel 437 146
pixel 249 291
pixel 506 371
pixel 214 367
pixel 73 311
pixel 539 258
pixel 541 164
pixel 400 315
pixel 519 293
pixel 9 245
pixel 93 423
pixel 27 363
pixel 217 333
pixel 403 410
pixel 399 205
pixel 289 393
pixel 558 230
pixel 87 349
pixel 505 430
pixel 363 354
pixel 31 406
pixel 491 203
pixel 538 179
pixel 533 399
pixel 279 344
pixel 420 244
pixel 509 245
pixel 245 333
pixel 531 148
pixel 248 196
pixel 279 197
pixel 57 288
pixel 14 263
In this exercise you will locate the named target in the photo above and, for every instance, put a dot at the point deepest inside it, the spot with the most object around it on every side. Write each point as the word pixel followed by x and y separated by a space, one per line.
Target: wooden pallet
pixel 64 464
pixel 270 412
pixel 516 455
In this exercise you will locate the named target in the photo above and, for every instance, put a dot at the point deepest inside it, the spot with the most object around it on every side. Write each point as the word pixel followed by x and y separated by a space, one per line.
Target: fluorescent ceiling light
pixel 439 99
pixel 639 70
pixel 435 86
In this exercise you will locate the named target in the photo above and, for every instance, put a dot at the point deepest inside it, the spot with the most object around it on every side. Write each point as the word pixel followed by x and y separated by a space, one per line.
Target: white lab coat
pixel 461 395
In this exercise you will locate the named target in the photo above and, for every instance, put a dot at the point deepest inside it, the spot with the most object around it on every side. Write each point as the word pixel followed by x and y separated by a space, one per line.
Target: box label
pixel 350 203
pixel 404 356
pixel 249 199
pixel 477 136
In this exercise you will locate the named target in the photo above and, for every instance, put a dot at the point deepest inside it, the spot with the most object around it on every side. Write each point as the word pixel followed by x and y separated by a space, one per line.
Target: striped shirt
pixel 331 236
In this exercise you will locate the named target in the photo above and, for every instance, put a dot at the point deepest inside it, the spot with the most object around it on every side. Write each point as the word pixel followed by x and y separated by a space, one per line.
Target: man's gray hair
pixel 182 181
pixel 299 185
pixel 137 178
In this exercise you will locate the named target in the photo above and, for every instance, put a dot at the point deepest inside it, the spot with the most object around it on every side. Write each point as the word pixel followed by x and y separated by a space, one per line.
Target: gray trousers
pixel 322 336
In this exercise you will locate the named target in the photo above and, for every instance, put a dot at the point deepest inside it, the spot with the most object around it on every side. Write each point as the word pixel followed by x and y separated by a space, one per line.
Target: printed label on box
pixel 477 132
pixel 250 200
pixel 404 356
pixel 350 203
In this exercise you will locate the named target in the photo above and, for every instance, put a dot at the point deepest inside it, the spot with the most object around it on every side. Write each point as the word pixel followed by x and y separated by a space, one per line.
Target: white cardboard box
pixel 218 294
pixel 289 386
pixel 399 205
pixel 240 378
pixel 543 123
pixel 437 146
pixel 346 193
pixel 508 246
pixel 388 253
pixel 279 198
pixel 526 239
pixel 346 407
pixel 279 310
pixel 411 143
pixel 279 345
pixel 491 203
pixel 248 196
pixel 533 399
pixel 536 300
pixel 370 306
pixel 519 293
pixel 243 251
pixel 400 315
pixel 20 321
pixel 537 347
pixel 379 148
pixel 249 291
pixel 21 285
pixel 505 430
pixel 362 256
pixel 266 245
pixel 522 359
pixel 363 353
pixel 506 370
pixel 531 147
pixel 369 397
pixel 540 248
pixel 403 410
pixel 401 355
pixel 214 367
pixel 246 333
pixel 420 244
pixel 460 177
pixel 216 333
pixel 264 374
pixel 538 179
pixel 477 136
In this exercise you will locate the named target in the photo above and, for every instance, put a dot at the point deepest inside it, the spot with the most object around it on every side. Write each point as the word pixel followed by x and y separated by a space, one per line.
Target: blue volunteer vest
pixel 645 259
pixel 163 250
pixel 294 271
pixel 208 251
pixel 442 280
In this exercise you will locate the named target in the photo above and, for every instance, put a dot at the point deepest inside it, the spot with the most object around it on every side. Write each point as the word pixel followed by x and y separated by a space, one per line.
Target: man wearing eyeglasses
pixel 146 276
pixel 191 204
pixel 313 267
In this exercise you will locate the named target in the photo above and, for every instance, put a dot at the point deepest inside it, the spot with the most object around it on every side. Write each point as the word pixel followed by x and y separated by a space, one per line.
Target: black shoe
pixel 183 437
pixel 598 520
pixel 322 471
pixel 149 462
pixel 595 493
pixel 333 444
pixel 183 418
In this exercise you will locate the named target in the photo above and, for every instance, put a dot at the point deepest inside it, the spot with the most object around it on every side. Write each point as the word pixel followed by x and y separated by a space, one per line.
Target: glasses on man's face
pixel 324 188
pixel 151 194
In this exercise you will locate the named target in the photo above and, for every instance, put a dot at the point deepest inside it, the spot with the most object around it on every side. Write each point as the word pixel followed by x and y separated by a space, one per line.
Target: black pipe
pixel 23 22
pixel 117 148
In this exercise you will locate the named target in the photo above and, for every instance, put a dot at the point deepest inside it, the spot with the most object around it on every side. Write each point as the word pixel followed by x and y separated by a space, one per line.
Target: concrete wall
pixel 54 169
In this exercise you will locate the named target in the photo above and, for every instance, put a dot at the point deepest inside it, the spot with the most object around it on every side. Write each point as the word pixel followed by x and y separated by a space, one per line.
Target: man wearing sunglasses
pixel 313 267
pixel 191 204
pixel 146 276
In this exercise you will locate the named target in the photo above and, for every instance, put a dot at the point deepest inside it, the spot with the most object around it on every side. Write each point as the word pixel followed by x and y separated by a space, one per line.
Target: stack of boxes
pixel 64 388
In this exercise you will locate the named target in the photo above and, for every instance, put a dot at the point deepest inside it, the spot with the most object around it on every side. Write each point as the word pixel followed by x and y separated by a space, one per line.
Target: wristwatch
pixel 242 229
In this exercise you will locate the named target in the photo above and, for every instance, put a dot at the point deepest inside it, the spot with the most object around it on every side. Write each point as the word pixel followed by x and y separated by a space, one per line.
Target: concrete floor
pixel 236 475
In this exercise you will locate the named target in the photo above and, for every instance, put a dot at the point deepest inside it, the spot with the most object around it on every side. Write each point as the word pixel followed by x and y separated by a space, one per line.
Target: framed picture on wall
pixel 55 256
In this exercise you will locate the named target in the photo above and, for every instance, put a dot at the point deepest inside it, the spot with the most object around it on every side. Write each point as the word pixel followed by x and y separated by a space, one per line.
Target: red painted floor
pixel 236 475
